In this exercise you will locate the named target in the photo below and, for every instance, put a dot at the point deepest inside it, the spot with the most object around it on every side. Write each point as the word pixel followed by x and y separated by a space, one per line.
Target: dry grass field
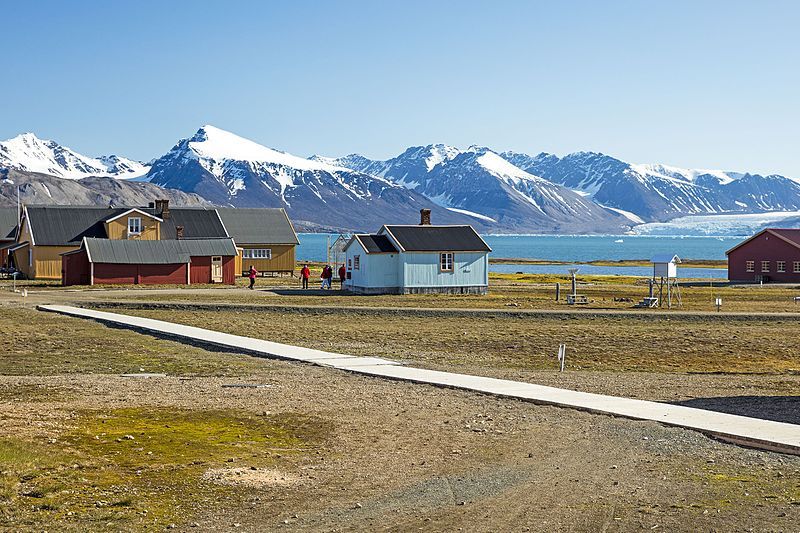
pixel 82 448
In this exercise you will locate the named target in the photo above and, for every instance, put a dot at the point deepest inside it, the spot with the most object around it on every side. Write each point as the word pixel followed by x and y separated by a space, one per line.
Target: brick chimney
pixel 179 232
pixel 424 217
pixel 162 209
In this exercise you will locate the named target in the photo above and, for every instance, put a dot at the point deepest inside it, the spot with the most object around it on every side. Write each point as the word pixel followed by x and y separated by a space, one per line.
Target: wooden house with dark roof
pixel 772 254
pixel 403 259
pixel 265 237
pixel 47 232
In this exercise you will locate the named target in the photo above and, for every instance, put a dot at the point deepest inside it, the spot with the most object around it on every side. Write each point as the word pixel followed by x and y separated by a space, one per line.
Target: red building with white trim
pixel 175 262
pixel 772 254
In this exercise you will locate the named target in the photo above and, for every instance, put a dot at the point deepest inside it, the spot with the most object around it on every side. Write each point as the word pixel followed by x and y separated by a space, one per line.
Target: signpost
pixel 562 356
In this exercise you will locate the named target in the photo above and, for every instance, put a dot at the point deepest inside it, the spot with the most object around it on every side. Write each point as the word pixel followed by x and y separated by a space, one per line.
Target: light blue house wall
pixel 422 269
pixel 376 271
pixel 414 272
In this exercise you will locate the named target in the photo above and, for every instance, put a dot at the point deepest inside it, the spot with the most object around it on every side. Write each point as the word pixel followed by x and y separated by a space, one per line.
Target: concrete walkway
pixel 765 434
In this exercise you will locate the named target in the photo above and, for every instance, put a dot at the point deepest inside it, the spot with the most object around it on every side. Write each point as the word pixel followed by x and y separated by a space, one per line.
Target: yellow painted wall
pixel 283 259
pixel 47 261
pixel 118 229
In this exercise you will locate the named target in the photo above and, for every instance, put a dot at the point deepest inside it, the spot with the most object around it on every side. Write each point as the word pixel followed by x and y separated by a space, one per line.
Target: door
pixel 216 269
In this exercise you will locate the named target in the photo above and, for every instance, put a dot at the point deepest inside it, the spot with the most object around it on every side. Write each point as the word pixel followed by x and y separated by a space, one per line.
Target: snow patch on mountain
pixel 28 153
pixel 471 214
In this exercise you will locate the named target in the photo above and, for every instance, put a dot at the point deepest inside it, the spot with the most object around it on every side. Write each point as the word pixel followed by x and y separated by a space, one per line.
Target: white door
pixel 216 269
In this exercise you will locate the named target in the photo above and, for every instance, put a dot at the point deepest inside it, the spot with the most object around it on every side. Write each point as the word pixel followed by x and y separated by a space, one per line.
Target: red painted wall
pixel 201 270
pixel 764 247
pixel 106 273
pixel 75 269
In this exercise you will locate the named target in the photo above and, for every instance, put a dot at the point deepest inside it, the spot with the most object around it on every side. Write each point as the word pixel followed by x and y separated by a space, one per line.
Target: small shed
pixel 665 266
pixel 179 262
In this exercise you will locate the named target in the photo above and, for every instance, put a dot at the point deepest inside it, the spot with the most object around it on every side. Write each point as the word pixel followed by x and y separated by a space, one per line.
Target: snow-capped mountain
pixel 228 169
pixel 481 184
pixel 28 153
pixel 661 192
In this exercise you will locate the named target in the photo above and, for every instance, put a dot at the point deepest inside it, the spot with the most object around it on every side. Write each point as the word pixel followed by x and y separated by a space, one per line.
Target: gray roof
pixel 8 223
pixel 377 244
pixel 68 225
pixel 438 238
pixel 258 225
pixel 155 252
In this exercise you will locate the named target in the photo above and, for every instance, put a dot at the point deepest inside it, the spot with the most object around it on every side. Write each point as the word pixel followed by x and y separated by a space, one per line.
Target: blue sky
pixel 709 84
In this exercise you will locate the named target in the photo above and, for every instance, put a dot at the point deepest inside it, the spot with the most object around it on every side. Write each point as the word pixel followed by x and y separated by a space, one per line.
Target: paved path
pixel 766 434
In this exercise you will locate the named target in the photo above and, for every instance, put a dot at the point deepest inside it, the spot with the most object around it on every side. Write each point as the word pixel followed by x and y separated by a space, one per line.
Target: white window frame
pixel 135 222
pixel 796 267
pixel 356 262
pixel 765 266
pixel 750 266
pixel 447 262
pixel 780 266
pixel 257 253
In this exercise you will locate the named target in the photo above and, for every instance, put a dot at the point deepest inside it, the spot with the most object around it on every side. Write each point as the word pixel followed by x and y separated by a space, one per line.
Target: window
pixel 764 266
pixel 349 263
pixel 446 262
pixel 796 267
pixel 357 262
pixel 134 225
pixel 781 266
pixel 751 266
pixel 257 253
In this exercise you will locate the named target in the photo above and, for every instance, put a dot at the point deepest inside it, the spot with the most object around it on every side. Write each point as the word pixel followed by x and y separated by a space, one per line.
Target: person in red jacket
pixel 342 275
pixel 252 276
pixel 305 273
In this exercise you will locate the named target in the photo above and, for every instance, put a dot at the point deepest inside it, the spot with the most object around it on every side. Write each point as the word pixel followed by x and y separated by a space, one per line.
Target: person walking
pixel 342 275
pixel 252 276
pixel 324 277
pixel 305 273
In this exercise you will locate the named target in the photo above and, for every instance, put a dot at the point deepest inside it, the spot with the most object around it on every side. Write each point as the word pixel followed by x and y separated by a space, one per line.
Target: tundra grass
pixel 524 291
pixel 140 468
pixel 38 343
pixel 594 343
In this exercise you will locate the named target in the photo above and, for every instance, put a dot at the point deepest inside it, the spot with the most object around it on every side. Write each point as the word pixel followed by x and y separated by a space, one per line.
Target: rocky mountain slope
pixel 35 188
pixel 660 192
pixel 229 170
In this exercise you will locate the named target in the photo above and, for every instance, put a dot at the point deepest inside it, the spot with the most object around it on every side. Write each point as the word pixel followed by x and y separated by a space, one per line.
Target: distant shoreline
pixel 693 263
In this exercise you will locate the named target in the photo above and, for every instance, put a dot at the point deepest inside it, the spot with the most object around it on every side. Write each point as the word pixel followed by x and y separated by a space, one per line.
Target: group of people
pixel 326 276
pixel 305 274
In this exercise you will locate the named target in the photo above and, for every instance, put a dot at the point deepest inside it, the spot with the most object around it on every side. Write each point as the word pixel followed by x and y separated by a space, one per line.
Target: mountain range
pixel 502 192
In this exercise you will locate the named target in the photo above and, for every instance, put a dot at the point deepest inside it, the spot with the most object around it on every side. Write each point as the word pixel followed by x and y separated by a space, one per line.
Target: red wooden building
pixel 770 255
pixel 173 262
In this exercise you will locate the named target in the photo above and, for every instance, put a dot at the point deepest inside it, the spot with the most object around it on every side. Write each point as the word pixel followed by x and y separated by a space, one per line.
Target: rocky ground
pixel 302 447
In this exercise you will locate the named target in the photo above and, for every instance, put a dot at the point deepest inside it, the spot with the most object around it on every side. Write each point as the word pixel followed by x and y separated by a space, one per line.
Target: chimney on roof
pixel 424 217
pixel 179 232
pixel 162 209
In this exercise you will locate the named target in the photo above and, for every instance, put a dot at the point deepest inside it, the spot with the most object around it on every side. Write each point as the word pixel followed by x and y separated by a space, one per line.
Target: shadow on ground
pixel 776 408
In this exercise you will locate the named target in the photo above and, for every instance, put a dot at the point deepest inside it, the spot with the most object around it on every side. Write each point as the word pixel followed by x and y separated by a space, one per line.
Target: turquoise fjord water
pixel 578 248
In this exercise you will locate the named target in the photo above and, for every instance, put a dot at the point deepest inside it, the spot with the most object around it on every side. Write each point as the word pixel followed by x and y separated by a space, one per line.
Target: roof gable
pixel 133 210
pixel 665 258
pixel 429 238
pixel 376 244
pixel 790 236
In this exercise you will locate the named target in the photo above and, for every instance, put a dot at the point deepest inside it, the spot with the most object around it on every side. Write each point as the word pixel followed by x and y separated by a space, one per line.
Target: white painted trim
pixel 133 210
pixel 394 239
pixel 189 272
pixel 27 221
pixel 91 273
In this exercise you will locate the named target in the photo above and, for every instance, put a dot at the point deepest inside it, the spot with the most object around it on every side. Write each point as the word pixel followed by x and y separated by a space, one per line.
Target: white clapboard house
pixel 405 259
